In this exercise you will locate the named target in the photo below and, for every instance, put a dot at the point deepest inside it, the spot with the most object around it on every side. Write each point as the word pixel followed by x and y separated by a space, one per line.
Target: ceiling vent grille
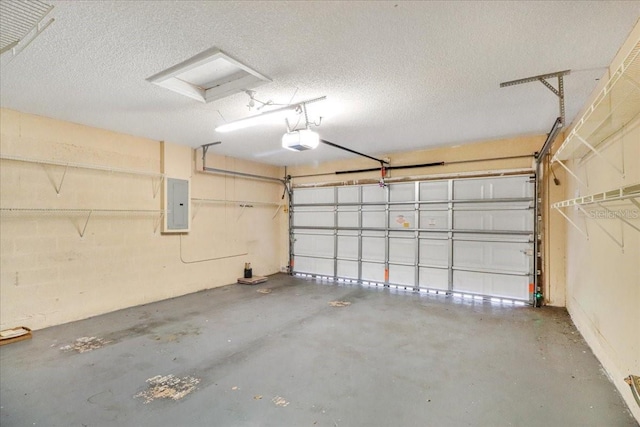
pixel 209 76
pixel 21 22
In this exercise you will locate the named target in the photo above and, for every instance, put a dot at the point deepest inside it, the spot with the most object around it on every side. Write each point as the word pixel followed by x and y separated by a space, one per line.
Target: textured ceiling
pixel 397 75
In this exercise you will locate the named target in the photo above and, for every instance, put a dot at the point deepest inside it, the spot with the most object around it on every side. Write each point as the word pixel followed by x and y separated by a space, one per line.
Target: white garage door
pixel 467 236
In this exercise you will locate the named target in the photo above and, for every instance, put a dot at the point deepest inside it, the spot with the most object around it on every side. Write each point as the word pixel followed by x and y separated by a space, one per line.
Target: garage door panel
pixel 402 275
pixel 348 218
pixel 348 269
pixel 320 266
pixel 373 248
pixel 434 190
pixel 374 219
pixel 433 278
pixel 309 217
pixel 310 245
pixel 373 272
pixel 474 238
pixel 313 195
pixel 402 217
pixel 402 250
pixel 434 219
pixel 434 252
pixel 493 188
pixel 348 247
pixel 373 194
pixel 520 220
pixel 494 256
pixel 348 194
pixel 499 285
pixel 402 192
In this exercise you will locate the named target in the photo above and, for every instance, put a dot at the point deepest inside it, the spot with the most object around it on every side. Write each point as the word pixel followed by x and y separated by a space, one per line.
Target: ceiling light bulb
pixel 266 117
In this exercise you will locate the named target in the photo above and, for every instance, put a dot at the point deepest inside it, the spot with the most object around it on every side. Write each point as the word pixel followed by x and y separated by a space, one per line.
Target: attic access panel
pixel 21 23
pixel 208 76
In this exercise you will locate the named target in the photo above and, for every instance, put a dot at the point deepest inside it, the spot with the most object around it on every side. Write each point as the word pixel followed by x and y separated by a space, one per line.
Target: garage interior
pixel 443 198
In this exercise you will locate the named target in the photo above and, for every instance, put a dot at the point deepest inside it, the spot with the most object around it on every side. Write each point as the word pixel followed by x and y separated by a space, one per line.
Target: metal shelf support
pixel 601 227
pixel 570 172
pixel 629 192
pixel 614 101
pixel 241 203
pixel 90 213
pixel 599 154
pixel 58 186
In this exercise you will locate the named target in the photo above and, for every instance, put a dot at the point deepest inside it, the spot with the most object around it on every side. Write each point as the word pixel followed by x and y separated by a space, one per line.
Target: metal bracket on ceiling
pixel 205 148
pixel 542 78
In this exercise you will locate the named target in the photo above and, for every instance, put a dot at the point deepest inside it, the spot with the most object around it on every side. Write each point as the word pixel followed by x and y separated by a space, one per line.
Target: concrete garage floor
pixel 288 358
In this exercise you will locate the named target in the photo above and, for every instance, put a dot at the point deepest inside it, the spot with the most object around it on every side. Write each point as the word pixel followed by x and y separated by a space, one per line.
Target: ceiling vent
pixel 208 76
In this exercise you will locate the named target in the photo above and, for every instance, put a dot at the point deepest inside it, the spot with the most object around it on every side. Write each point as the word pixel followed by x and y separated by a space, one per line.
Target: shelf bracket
pixel 632 81
pixel 57 186
pixel 276 212
pixel 620 217
pixel 599 154
pixel 157 222
pixel 86 222
pixel 243 206
pixel 196 208
pixel 611 236
pixel 570 172
pixel 584 233
pixel 156 187
pixel 64 174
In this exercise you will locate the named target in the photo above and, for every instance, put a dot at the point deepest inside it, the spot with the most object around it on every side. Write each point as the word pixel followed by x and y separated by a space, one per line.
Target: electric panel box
pixel 177 205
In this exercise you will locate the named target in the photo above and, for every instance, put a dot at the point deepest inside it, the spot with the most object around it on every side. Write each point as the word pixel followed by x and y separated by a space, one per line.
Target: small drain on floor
pixel 85 344
pixel 168 387
pixel 339 303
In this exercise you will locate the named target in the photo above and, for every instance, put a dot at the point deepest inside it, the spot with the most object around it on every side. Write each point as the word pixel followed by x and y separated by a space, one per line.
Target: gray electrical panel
pixel 177 204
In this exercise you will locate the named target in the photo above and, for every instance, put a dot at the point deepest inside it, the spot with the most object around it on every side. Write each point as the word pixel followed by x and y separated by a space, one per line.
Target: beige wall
pixel 603 281
pixel 520 146
pixel 50 275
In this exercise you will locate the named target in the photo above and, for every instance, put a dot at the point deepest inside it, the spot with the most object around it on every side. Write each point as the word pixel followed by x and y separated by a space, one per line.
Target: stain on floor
pixel 168 387
pixel 339 303
pixel 84 344
pixel 264 290
pixel 175 336
pixel 280 401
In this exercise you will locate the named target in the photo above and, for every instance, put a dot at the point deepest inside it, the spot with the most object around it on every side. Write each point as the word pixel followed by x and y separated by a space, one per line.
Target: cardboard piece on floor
pixel 16 334
pixel 252 280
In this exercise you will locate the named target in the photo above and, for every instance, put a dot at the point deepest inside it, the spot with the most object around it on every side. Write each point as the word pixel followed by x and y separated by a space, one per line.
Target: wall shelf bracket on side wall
pixel 241 203
pixel 86 214
pixel 628 192
pixel 156 177
pixel 615 107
